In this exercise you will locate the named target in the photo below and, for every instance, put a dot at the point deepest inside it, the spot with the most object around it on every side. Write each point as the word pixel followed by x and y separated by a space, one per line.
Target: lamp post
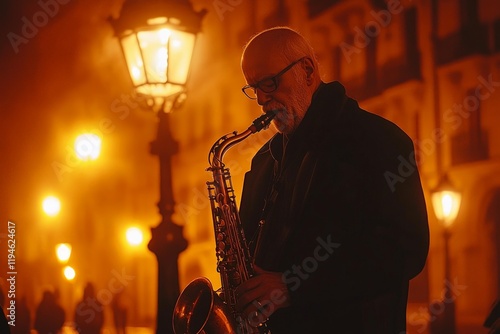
pixel 446 202
pixel 157 38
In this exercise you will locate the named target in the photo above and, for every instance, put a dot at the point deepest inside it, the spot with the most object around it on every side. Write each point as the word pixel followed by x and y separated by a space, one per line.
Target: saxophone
pixel 200 309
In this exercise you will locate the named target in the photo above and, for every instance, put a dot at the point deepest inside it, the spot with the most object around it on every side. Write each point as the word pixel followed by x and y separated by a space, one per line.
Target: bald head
pixel 280 43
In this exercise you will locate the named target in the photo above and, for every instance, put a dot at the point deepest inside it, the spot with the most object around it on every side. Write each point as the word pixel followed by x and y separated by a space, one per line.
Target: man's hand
pixel 261 296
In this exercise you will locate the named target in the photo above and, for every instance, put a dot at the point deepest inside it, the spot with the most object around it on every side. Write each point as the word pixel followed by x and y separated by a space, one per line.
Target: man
pixel 49 315
pixel 341 235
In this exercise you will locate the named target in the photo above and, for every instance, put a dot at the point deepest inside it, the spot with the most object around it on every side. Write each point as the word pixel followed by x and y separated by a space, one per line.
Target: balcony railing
pixel 400 70
pixel 467 41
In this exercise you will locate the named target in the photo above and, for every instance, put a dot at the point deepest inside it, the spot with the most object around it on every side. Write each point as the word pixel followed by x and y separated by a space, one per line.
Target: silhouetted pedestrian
pixel 119 307
pixel 49 317
pixel 89 312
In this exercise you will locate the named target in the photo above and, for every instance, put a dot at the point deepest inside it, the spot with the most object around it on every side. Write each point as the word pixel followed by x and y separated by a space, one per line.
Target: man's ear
pixel 308 65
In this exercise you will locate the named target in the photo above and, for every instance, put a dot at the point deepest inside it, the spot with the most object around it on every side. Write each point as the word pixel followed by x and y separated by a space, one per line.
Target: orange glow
pixel 69 273
pixel 134 236
pixel 157 20
pixel 158 60
pixel 51 206
pixel 88 146
pixel 446 205
pixel 63 252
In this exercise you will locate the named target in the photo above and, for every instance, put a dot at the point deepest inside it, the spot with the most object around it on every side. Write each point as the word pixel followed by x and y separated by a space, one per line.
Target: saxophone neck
pixel 224 143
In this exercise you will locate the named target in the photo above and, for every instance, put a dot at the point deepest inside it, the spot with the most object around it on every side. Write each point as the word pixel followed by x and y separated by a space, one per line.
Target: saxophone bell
pixel 200 310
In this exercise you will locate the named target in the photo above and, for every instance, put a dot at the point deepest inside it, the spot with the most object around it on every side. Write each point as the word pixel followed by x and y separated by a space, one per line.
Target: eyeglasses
pixel 267 85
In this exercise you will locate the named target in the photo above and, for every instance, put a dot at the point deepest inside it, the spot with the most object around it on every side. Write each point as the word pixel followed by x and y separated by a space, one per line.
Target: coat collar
pixel 319 121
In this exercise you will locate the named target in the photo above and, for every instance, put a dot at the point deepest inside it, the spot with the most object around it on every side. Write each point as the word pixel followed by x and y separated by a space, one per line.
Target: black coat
pixel 4 325
pixel 345 219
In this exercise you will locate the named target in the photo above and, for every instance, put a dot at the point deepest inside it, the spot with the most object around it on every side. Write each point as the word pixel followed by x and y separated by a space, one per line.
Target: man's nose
pixel 262 97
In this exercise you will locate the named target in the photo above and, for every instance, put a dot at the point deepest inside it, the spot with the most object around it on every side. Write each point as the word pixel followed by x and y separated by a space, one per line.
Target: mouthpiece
pixel 262 121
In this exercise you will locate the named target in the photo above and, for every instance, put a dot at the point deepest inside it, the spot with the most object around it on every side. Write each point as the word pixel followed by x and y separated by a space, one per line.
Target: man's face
pixel 292 97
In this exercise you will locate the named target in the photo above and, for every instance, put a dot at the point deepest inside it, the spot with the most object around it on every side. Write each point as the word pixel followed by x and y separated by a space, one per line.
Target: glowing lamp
pixel 63 252
pixel 69 273
pixel 157 38
pixel 88 146
pixel 51 206
pixel 446 202
pixel 134 236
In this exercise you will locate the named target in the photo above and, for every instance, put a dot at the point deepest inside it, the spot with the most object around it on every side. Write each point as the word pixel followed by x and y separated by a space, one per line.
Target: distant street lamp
pixel 69 273
pixel 157 38
pixel 51 206
pixel 134 239
pixel 88 146
pixel 134 236
pixel 63 252
pixel 446 202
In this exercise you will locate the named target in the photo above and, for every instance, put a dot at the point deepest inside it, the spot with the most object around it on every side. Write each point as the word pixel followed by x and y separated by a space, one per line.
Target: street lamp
pixel 157 38
pixel 446 202
pixel 51 206
pixel 63 252
pixel 134 236
pixel 88 146
pixel 69 273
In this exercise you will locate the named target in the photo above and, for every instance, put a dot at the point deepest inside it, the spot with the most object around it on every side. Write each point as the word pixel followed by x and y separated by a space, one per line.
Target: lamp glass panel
pixel 181 45
pixel 63 252
pixel 446 205
pixel 133 57
pixel 154 46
